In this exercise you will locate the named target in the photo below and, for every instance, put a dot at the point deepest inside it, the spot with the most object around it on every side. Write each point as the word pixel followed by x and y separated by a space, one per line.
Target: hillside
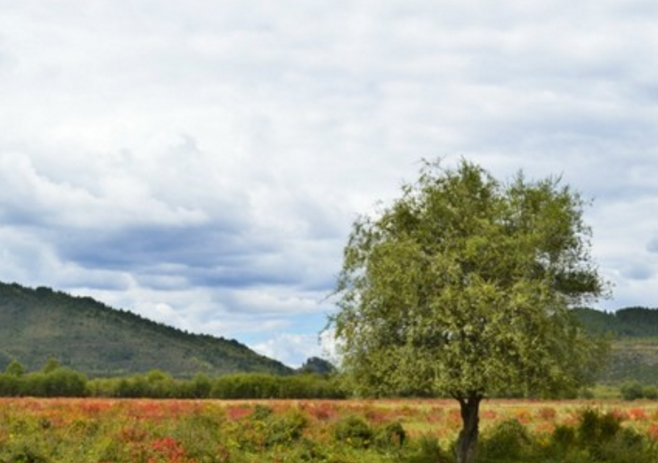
pixel 633 333
pixel 631 322
pixel 88 336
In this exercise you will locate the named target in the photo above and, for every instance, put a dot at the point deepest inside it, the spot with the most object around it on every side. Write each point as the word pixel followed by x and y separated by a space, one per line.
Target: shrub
pixel 354 431
pixel 200 386
pixel 650 392
pixel 285 428
pixel 632 391
pixel 10 386
pixel 627 446
pixel 509 440
pixel 586 393
pixel 261 412
pixel 596 428
pixel 563 438
pixel 425 449
pixel 391 435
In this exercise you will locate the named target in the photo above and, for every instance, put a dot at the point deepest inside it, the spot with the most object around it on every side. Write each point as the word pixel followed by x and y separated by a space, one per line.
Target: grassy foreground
pixel 414 431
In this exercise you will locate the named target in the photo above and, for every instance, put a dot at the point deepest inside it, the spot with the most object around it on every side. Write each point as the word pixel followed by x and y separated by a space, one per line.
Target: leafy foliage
pixel 510 440
pixel 463 287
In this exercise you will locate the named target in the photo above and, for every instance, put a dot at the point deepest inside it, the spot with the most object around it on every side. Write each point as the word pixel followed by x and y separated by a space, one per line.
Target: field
pixel 187 431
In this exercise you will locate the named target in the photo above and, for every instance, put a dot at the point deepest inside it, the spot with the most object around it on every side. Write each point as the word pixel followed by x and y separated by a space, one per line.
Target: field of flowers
pixel 414 431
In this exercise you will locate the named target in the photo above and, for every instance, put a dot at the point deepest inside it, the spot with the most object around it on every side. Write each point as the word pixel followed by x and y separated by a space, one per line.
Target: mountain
pixel 633 334
pixel 90 337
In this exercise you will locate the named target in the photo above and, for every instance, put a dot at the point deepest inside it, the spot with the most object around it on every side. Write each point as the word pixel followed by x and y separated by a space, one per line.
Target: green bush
pixel 627 446
pixel 261 412
pixel 285 428
pixel 562 439
pixel 601 437
pixel 650 392
pixel 391 435
pixel 354 431
pixel 632 391
pixel 596 428
pixel 509 440
pixel 425 449
pixel 10 386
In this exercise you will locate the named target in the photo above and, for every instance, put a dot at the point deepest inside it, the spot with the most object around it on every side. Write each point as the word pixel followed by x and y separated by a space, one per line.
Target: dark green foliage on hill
pixel 633 322
pixel 633 333
pixel 97 340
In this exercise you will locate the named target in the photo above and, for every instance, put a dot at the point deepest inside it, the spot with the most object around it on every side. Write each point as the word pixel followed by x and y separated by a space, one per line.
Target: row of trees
pixel 157 384
pixel 53 380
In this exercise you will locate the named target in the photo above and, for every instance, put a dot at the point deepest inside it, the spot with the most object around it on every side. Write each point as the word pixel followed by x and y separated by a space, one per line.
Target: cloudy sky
pixel 201 163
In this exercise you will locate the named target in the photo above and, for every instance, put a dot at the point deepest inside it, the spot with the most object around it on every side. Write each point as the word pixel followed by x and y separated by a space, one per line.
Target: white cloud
pixel 209 158
pixel 291 349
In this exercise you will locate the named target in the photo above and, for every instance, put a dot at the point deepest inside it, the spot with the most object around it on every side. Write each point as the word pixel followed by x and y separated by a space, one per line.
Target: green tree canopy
pixel 462 287
pixel 51 365
pixel 15 368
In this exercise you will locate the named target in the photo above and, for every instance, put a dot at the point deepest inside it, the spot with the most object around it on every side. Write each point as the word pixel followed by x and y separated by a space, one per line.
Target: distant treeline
pixel 57 381
pixel 634 322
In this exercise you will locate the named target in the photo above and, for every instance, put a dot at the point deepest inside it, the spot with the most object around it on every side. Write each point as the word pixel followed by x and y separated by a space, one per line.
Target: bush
pixel 632 391
pixel 508 440
pixel 650 392
pixel 354 431
pixel 562 439
pixel 392 435
pixel 10 386
pixel 627 446
pixel 596 428
pixel 426 449
pixel 286 428
pixel 261 412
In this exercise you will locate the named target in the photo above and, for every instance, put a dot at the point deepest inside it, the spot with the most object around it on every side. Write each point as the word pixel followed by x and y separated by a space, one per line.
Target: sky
pixel 201 163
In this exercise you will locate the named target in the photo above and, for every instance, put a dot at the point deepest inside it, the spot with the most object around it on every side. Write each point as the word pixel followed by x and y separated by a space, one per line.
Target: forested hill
pixel 90 337
pixel 632 322
pixel 634 340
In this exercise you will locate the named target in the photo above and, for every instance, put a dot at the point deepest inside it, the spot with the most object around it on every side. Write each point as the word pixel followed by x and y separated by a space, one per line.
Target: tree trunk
pixel 468 436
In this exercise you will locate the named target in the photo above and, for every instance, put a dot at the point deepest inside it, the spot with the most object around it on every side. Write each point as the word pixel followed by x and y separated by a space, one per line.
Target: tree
pixel 317 365
pixel 15 368
pixel 51 365
pixel 462 288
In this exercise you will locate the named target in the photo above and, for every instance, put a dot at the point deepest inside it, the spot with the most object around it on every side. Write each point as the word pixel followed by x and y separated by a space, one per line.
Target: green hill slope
pixel 633 333
pixel 90 337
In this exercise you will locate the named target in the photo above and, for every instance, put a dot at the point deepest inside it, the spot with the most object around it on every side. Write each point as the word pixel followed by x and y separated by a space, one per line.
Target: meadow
pixel 414 431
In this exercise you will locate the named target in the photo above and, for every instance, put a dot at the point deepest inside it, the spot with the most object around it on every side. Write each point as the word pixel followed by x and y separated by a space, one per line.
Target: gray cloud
pixel 639 271
pixel 653 245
